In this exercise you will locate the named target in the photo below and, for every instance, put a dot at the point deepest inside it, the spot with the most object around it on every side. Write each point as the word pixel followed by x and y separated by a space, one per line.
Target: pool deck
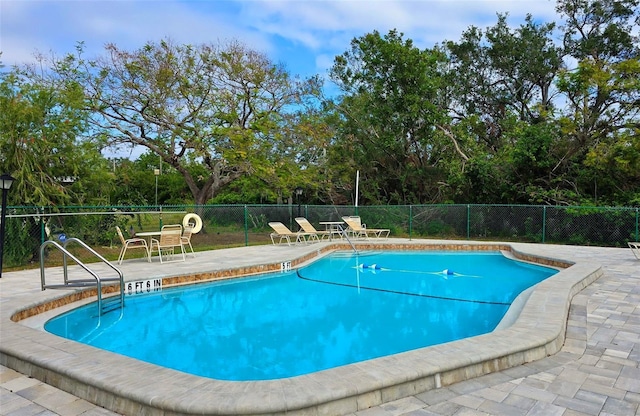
pixel 542 363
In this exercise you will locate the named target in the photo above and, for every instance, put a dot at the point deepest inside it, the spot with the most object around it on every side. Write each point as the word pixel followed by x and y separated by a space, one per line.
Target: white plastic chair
pixel 186 238
pixel 170 238
pixel 131 243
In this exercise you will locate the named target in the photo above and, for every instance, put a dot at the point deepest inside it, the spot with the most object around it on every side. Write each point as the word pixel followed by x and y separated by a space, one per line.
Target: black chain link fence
pixel 236 225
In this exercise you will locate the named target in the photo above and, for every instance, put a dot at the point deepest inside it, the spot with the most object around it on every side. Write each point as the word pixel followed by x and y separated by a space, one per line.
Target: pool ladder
pixel 104 305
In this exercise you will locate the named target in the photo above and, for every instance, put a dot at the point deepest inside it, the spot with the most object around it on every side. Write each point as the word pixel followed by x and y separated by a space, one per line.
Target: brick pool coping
pixel 128 386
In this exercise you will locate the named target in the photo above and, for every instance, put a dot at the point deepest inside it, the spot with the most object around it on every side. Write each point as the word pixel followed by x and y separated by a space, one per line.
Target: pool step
pixel 111 304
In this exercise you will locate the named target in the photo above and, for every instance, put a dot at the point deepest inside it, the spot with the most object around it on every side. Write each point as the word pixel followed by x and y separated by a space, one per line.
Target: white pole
pixel 357 184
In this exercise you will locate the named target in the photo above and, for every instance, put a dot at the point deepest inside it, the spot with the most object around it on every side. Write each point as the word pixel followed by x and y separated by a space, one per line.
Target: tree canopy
pixel 528 120
pixel 538 113
pixel 217 106
pixel 390 112
pixel 42 143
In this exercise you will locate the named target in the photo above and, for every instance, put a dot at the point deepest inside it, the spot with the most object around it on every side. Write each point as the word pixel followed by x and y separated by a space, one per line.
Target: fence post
pixel 410 220
pixel 42 229
pixel 544 223
pixel 246 225
pixel 637 225
pixel 468 221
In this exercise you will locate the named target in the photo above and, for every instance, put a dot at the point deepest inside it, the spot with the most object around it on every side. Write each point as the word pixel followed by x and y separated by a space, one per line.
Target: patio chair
pixel 357 229
pixel 635 248
pixel 307 227
pixel 186 237
pixel 281 231
pixel 132 243
pixel 170 238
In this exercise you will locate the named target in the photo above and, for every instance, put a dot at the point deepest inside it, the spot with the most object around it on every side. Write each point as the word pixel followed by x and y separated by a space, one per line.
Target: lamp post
pixel 298 194
pixel 156 172
pixel 6 181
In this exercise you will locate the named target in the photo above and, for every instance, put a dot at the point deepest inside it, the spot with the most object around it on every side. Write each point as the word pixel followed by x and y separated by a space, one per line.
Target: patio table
pixel 334 227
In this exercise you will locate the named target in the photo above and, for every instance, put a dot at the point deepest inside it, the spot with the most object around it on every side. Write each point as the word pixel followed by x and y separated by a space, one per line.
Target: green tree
pixel 298 158
pixel 43 143
pixel 134 185
pixel 602 118
pixel 536 126
pixel 219 106
pixel 500 81
pixel 503 70
pixel 391 117
pixel 615 165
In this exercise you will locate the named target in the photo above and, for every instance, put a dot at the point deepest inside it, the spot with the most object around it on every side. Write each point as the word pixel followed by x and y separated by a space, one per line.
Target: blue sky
pixel 304 35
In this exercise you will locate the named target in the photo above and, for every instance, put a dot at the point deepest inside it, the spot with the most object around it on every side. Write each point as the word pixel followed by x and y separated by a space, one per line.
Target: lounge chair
pixel 283 233
pixel 170 238
pixel 186 238
pixel 357 229
pixel 635 248
pixel 128 243
pixel 307 227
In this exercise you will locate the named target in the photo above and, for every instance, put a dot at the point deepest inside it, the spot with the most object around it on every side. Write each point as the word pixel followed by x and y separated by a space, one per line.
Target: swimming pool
pixel 534 328
pixel 341 309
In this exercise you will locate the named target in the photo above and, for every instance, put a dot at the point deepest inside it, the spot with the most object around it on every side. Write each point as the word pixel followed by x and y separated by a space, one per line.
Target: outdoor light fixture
pixel 157 173
pixel 298 192
pixel 6 181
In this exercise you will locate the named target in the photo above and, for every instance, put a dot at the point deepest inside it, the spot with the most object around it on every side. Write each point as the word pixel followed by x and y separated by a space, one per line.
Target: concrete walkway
pixel 597 371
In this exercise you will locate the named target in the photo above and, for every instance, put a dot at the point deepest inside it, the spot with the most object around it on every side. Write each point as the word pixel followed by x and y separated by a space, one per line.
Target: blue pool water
pixel 339 310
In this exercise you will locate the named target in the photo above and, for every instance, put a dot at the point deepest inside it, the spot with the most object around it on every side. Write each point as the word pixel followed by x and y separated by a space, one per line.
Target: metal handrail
pixel 79 283
pixel 343 232
pixel 92 251
pixel 99 256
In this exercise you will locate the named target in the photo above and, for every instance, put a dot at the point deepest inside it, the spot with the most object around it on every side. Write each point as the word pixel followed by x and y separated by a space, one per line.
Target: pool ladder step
pixel 108 304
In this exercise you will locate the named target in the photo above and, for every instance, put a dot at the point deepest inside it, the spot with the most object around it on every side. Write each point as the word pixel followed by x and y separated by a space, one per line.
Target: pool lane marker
pixel 446 272
pixel 398 292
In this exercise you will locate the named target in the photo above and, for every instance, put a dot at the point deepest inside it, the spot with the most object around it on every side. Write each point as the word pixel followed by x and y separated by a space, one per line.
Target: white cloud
pixel 291 31
pixel 59 25
pixel 441 19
